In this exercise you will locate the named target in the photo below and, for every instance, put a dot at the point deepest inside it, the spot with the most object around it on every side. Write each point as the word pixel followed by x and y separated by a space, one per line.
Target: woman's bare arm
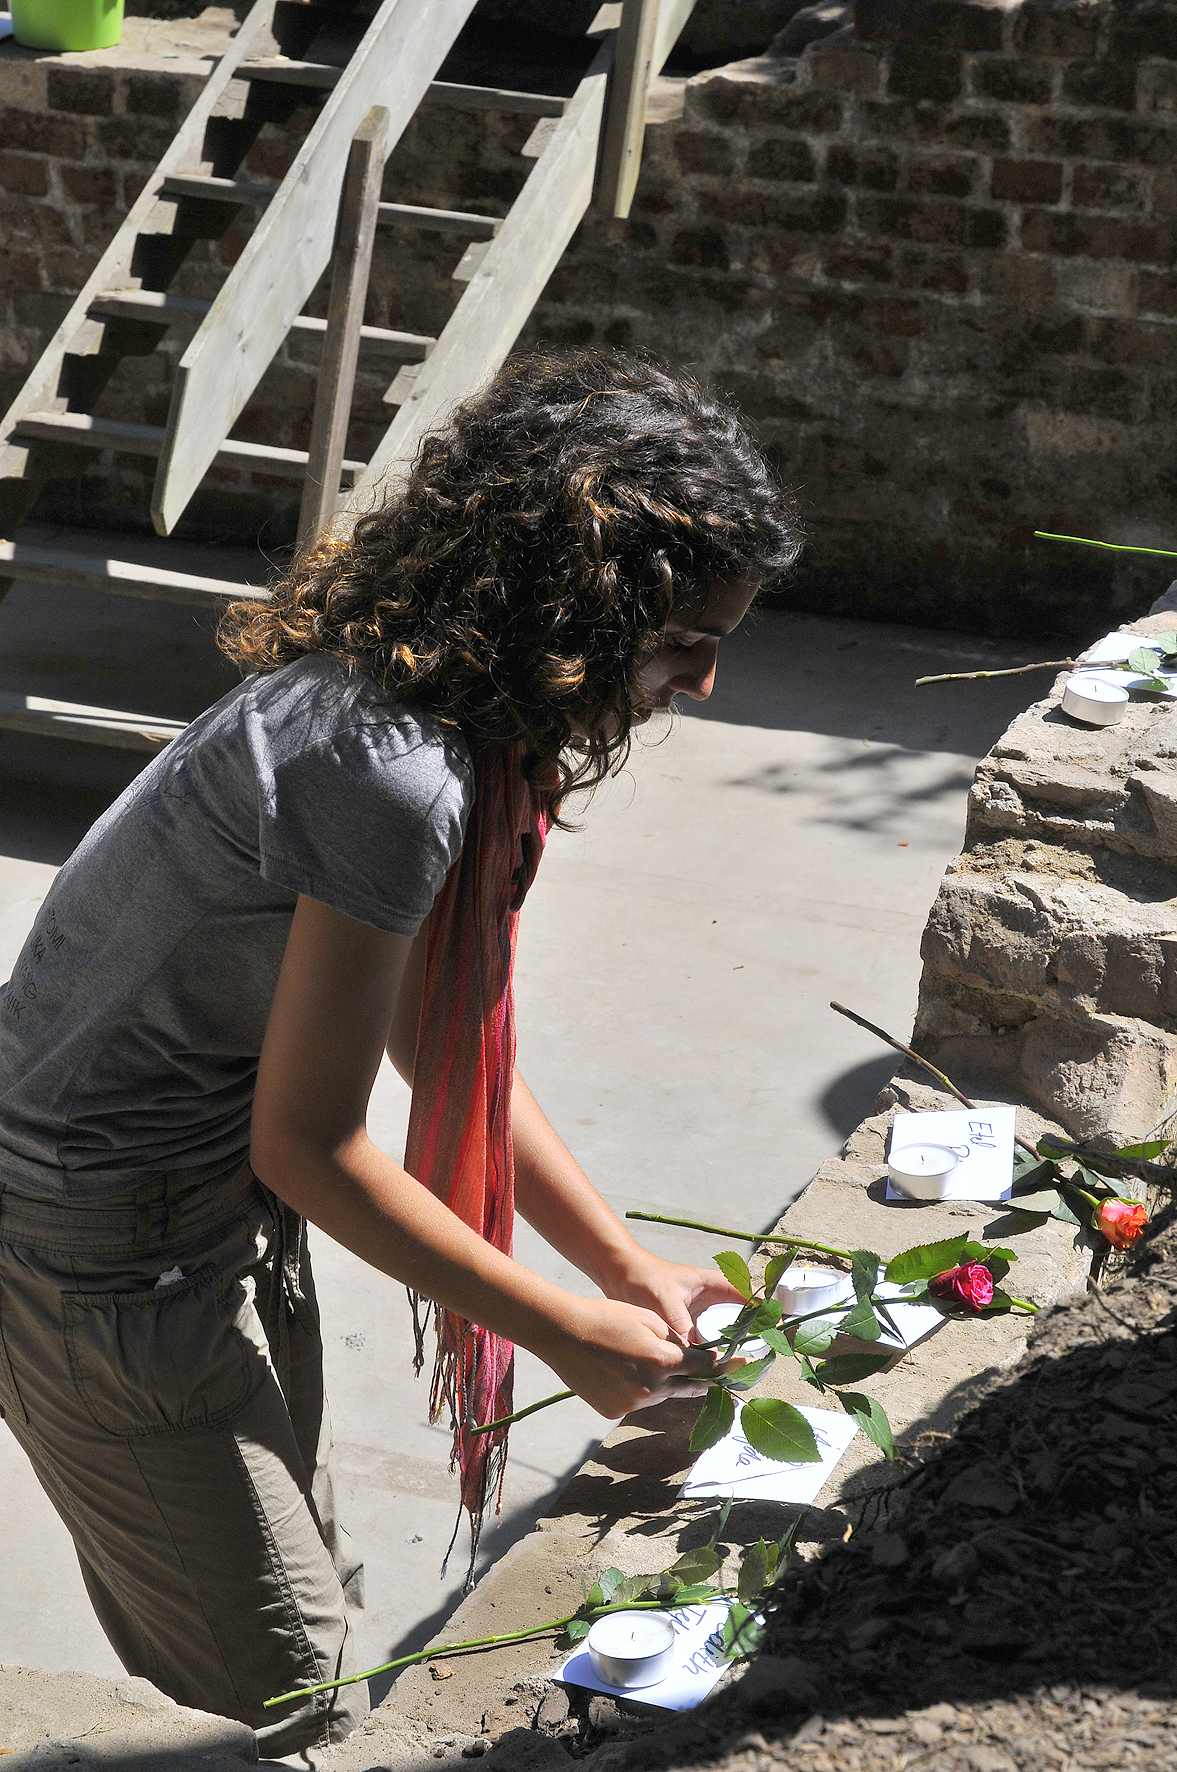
pixel 331 1018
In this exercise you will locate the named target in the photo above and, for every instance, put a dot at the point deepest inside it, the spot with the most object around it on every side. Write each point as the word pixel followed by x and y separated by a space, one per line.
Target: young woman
pixel 328 863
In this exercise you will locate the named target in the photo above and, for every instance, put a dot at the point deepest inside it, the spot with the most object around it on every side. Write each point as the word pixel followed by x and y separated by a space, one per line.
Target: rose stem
pixel 1115 547
pixel 1048 664
pixel 533 1630
pixel 544 1403
pixel 926 1064
pixel 718 1230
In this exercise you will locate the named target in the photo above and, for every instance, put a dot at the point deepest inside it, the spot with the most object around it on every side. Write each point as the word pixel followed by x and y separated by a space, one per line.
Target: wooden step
pixel 71 719
pixel 123 578
pixel 87 432
pixel 441 221
pixel 148 304
pixel 214 190
pixel 324 75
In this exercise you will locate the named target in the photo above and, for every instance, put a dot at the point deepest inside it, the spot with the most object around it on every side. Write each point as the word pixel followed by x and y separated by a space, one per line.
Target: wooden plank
pixel 71 719
pixel 142 304
pixel 286 72
pixel 121 578
pixel 291 245
pixel 86 431
pixel 624 125
pixel 504 288
pixel 495 98
pixel 78 332
pixel 207 189
pixel 672 17
pixel 355 238
pixel 440 221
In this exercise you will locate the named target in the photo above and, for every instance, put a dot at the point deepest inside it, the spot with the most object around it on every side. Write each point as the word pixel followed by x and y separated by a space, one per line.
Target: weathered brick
pixel 924 73
pixel 155 95
pixel 1103 138
pixel 37 133
pixel 905 218
pixel 854 265
pixel 89 92
pixel 18 268
pixel 89 184
pixel 1136 344
pixel 942 177
pixel 985 228
pixel 1015 82
pixel 136 138
pixel 1027 181
pixel 943 273
pixel 1152 33
pixel 24 173
pixel 904 121
pixel 66 268
pixel 950 24
pixel 876 169
pixel 1157 292
pixel 39 308
pixel 1105 393
pixel 1060 34
pixel 704 247
pixel 1110 85
pixel 762 105
pixel 697 151
pixel 844 70
pixel 1158 88
pixel 783 157
pixel 980 134
pixel 761 398
pixel 1107 187
pixel 819 212
pixel 1094 236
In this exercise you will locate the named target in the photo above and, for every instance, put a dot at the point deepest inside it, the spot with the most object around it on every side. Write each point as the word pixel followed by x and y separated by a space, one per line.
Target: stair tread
pixel 446 92
pixel 22 560
pixel 87 429
pixel 72 719
pixel 456 221
pixel 208 188
pixel 135 303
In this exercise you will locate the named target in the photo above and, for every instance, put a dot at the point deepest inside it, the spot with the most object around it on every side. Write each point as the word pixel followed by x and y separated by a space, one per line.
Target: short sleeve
pixel 362 805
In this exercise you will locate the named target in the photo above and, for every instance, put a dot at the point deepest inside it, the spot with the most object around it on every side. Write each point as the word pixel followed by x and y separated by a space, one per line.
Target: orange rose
pixel 1120 1221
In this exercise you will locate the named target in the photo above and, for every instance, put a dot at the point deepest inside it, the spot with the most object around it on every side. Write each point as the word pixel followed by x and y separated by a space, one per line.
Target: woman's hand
pixel 675 1293
pixel 619 1358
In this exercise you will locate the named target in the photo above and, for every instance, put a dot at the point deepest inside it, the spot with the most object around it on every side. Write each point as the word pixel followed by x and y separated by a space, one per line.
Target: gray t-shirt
pixel 131 1027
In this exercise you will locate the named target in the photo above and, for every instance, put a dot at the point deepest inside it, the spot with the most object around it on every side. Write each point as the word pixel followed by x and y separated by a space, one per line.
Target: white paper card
pixel 1117 649
pixel 733 1467
pixel 698 1646
pixel 913 1321
pixel 982 1140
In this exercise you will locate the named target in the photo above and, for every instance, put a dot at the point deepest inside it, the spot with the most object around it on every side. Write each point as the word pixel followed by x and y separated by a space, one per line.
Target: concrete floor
pixel 776 848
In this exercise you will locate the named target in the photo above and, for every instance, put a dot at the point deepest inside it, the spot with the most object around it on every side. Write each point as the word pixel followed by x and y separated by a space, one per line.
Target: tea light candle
pixel 922 1170
pixel 806 1288
pixel 630 1649
pixel 1089 698
pixel 716 1318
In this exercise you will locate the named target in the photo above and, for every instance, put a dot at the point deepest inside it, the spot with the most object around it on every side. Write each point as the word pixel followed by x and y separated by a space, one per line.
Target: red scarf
pixel 459 1137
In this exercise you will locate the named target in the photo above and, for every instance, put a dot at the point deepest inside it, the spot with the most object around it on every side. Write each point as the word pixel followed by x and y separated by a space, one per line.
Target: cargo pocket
pixel 163 1361
pixel 10 1398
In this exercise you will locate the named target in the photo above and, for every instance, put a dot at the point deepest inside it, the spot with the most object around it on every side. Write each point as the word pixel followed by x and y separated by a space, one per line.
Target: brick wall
pixel 935 265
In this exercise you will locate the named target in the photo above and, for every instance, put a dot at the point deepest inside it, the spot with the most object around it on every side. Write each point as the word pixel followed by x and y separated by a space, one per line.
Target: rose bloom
pixel 1120 1221
pixel 970 1285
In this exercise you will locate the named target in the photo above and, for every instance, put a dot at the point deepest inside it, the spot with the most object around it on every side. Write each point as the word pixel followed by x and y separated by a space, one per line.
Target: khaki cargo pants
pixel 178 1424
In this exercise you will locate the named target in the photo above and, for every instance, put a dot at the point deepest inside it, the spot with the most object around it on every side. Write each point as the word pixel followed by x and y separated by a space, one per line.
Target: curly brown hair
pixel 530 563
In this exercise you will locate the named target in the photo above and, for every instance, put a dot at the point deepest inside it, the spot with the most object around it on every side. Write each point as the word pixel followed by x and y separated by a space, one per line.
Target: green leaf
pixel 926 1260
pixel 808 1375
pixel 696 1565
pixel 815 1336
pixel 1144 658
pixel 721 1522
pixel 1166 642
pixel 852 1368
pixel 696 1595
pixel 1001 1301
pixel 776 1267
pixel 864 1271
pixel 1146 1152
pixel 734 1269
pixel 634 1587
pixel 1153 685
pixel 871 1418
pixel 747 1376
pixel 1036 1205
pixel 753 1571
pixel 1031 1171
pixel 997 1267
pixel 715 1419
pixel 593 1595
pixel 861 1322
pixel 776 1430
pixel 608 1584
pixel 742 1633
pixel 777 1340
pixel 578 1628
pixel 1063 1212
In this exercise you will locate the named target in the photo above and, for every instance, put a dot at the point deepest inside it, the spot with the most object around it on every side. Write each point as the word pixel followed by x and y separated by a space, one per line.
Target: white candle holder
pixel 923 1171
pixel 804 1287
pixel 716 1318
pixel 1093 700
pixel 631 1649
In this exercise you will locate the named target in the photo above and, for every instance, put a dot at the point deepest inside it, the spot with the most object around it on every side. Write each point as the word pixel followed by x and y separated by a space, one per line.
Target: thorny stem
pixel 1115 547
pixel 718 1230
pixel 518 1636
pixel 504 1420
pixel 1048 664
pixel 926 1064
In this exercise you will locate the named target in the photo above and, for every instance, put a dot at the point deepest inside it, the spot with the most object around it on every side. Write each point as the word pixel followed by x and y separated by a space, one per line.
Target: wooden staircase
pixel 369 74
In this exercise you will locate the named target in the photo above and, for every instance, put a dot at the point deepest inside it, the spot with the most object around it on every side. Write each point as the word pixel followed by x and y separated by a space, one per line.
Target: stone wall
pixel 1050 955
pixel 933 261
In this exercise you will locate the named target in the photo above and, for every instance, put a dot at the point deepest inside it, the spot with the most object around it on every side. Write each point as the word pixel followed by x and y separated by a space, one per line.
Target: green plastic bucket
pixel 67 24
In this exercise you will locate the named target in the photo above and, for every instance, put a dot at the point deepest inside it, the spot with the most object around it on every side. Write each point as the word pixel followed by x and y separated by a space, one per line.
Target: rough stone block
pixel 786 158
pixel 1109 85
pixel 1107 187
pixel 875 169
pixel 39 134
pixel 727 97
pixel 942 176
pixel 919 73
pixel 1027 181
pixel 1061 33
pixel 1016 82
pixel 25 174
pixel 1143 33
pixel 88 92
pixel 949 24
pixel 1083 236
pixel 1147 141
pixel 704 151
pixel 944 273
pixel 844 70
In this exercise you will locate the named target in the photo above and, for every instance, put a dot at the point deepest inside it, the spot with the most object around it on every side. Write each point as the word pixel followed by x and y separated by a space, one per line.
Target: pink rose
pixel 1120 1222
pixel 970 1285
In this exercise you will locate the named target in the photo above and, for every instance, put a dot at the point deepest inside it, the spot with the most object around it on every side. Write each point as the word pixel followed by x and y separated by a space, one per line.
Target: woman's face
pixel 684 662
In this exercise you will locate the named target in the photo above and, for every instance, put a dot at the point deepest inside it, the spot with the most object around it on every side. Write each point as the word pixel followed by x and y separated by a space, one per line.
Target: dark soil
pixel 1010 1604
